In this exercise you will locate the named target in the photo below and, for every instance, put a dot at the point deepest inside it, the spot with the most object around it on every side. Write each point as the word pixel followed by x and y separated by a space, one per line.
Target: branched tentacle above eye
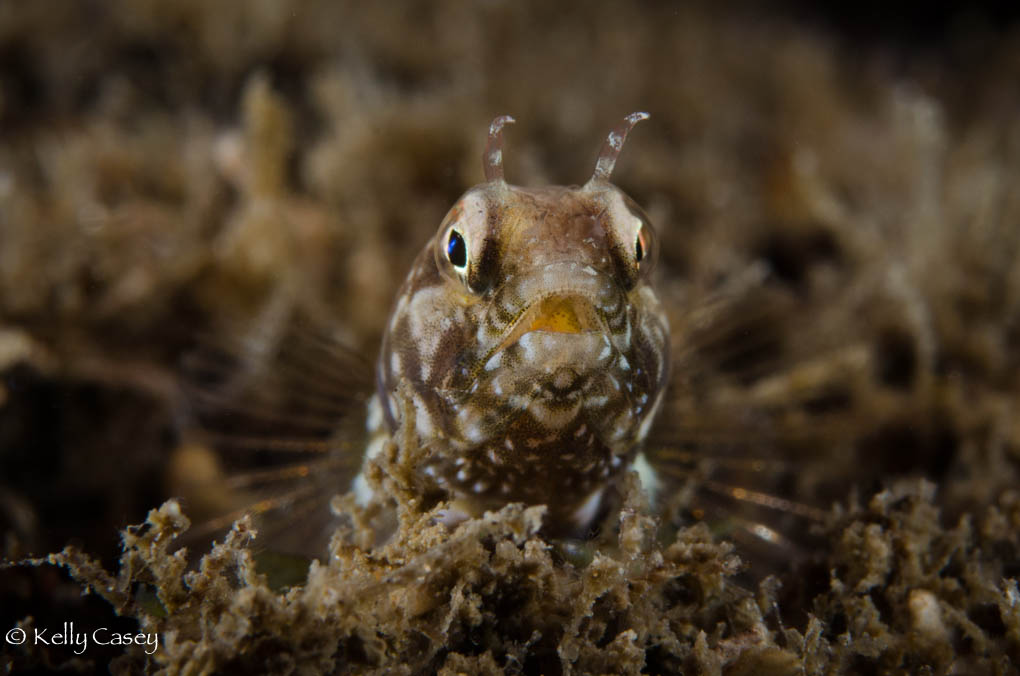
pixel 612 147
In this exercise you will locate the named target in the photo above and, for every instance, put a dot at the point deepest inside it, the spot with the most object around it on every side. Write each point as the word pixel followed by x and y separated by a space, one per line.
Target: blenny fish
pixel 529 342
pixel 525 360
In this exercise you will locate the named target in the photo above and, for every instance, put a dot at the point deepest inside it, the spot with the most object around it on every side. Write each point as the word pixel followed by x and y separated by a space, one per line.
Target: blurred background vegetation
pixel 168 165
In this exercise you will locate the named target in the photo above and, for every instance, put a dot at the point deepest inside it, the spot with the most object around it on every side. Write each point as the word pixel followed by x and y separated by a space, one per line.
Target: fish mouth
pixel 557 343
pixel 548 351
pixel 562 313
pixel 552 369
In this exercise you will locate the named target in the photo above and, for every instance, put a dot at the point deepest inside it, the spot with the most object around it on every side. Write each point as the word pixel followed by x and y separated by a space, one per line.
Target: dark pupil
pixel 639 251
pixel 455 250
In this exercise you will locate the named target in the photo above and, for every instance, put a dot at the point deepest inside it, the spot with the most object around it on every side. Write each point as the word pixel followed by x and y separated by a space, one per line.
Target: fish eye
pixel 632 237
pixel 642 248
pixel 459 245
pixel 456 250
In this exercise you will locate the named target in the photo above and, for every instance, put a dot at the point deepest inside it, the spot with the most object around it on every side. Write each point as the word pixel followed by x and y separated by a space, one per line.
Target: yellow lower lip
pixel 555 314
pixel 563 314
pixel 567 314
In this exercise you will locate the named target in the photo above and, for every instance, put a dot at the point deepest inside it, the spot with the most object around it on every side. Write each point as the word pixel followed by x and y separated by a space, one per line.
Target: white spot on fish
pixel 527 343
pixel 474 432
pixel 373 420
pixel 423 417
pixel 494 362
pixel 588 509
pixel 649 479
pixel 646 424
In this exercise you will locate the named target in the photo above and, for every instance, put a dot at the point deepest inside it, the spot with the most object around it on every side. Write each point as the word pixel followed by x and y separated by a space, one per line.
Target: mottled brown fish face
pixel 569 336
pixel 531 344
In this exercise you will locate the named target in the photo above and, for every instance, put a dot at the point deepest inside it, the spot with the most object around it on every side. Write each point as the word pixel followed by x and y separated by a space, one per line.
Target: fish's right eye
pixel 460 242
pixel 456 250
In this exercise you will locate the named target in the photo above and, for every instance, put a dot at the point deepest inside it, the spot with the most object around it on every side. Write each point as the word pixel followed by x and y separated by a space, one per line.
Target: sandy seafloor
pixel 164 165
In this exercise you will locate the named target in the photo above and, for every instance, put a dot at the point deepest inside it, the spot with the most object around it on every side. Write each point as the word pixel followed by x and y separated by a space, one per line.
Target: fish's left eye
pixel 632 238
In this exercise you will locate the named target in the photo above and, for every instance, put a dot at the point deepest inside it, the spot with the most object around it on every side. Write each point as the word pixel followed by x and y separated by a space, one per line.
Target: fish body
pixel 527 350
